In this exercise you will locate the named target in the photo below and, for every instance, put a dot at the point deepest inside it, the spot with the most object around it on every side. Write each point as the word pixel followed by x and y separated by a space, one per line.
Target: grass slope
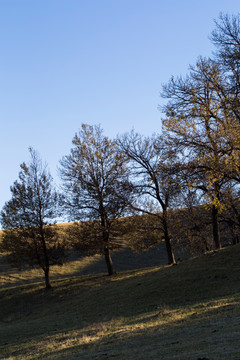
pixel 188 311
pixel 123 259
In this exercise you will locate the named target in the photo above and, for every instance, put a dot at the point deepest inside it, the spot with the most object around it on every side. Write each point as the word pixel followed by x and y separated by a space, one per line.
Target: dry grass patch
pixel 188 311
pixel 204 329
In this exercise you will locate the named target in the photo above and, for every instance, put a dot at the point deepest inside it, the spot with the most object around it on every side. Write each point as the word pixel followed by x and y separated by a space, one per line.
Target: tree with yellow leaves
pixel 201 127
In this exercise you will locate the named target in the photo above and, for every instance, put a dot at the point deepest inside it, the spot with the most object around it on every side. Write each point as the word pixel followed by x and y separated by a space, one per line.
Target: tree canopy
pixel 26 218
pixel 95 183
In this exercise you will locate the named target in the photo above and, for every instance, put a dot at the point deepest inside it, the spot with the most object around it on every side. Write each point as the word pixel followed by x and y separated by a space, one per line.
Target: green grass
pixel 188 311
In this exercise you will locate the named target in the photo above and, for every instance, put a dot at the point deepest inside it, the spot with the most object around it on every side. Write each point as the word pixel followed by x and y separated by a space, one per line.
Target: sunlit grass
pixel 192 325
pixel 12 276
pixel 188 311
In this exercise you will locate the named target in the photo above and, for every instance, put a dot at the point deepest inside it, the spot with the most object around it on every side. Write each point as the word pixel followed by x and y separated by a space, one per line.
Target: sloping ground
pixel 123 259
pixel 187 311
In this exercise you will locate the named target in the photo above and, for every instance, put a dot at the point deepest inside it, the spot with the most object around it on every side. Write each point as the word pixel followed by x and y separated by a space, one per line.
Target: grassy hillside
pixel 123 259
pixel 187 311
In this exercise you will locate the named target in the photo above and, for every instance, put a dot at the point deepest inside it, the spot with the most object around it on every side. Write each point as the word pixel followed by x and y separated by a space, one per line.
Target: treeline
pixel 185 179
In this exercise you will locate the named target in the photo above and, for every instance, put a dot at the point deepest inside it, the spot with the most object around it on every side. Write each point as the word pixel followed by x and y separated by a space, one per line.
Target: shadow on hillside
pixel 125 259
pixel 80 304
pixel 153 340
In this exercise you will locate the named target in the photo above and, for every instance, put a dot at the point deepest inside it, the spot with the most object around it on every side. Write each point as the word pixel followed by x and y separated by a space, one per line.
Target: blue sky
pixel 68 62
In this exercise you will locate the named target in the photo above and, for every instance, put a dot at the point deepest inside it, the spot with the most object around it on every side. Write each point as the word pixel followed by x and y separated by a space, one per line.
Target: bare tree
pixel 152 179
pixel 226 38
pixel 95 183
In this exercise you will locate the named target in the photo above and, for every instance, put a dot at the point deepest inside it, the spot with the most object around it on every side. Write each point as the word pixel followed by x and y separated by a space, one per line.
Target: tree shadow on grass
pixel 207 335
pixel 123 260
pixel 77 306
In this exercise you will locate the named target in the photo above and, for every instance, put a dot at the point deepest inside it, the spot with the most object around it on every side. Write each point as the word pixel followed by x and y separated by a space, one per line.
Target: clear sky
pixel 67 62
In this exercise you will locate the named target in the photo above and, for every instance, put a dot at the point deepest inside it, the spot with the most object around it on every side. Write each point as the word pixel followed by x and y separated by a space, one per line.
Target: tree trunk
pixel 105 237
pixel 234 239
pixel 170 253
pixel 233 233
pixel 108 260
pixel 216 231
pixel 46 259
pixel 47 281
